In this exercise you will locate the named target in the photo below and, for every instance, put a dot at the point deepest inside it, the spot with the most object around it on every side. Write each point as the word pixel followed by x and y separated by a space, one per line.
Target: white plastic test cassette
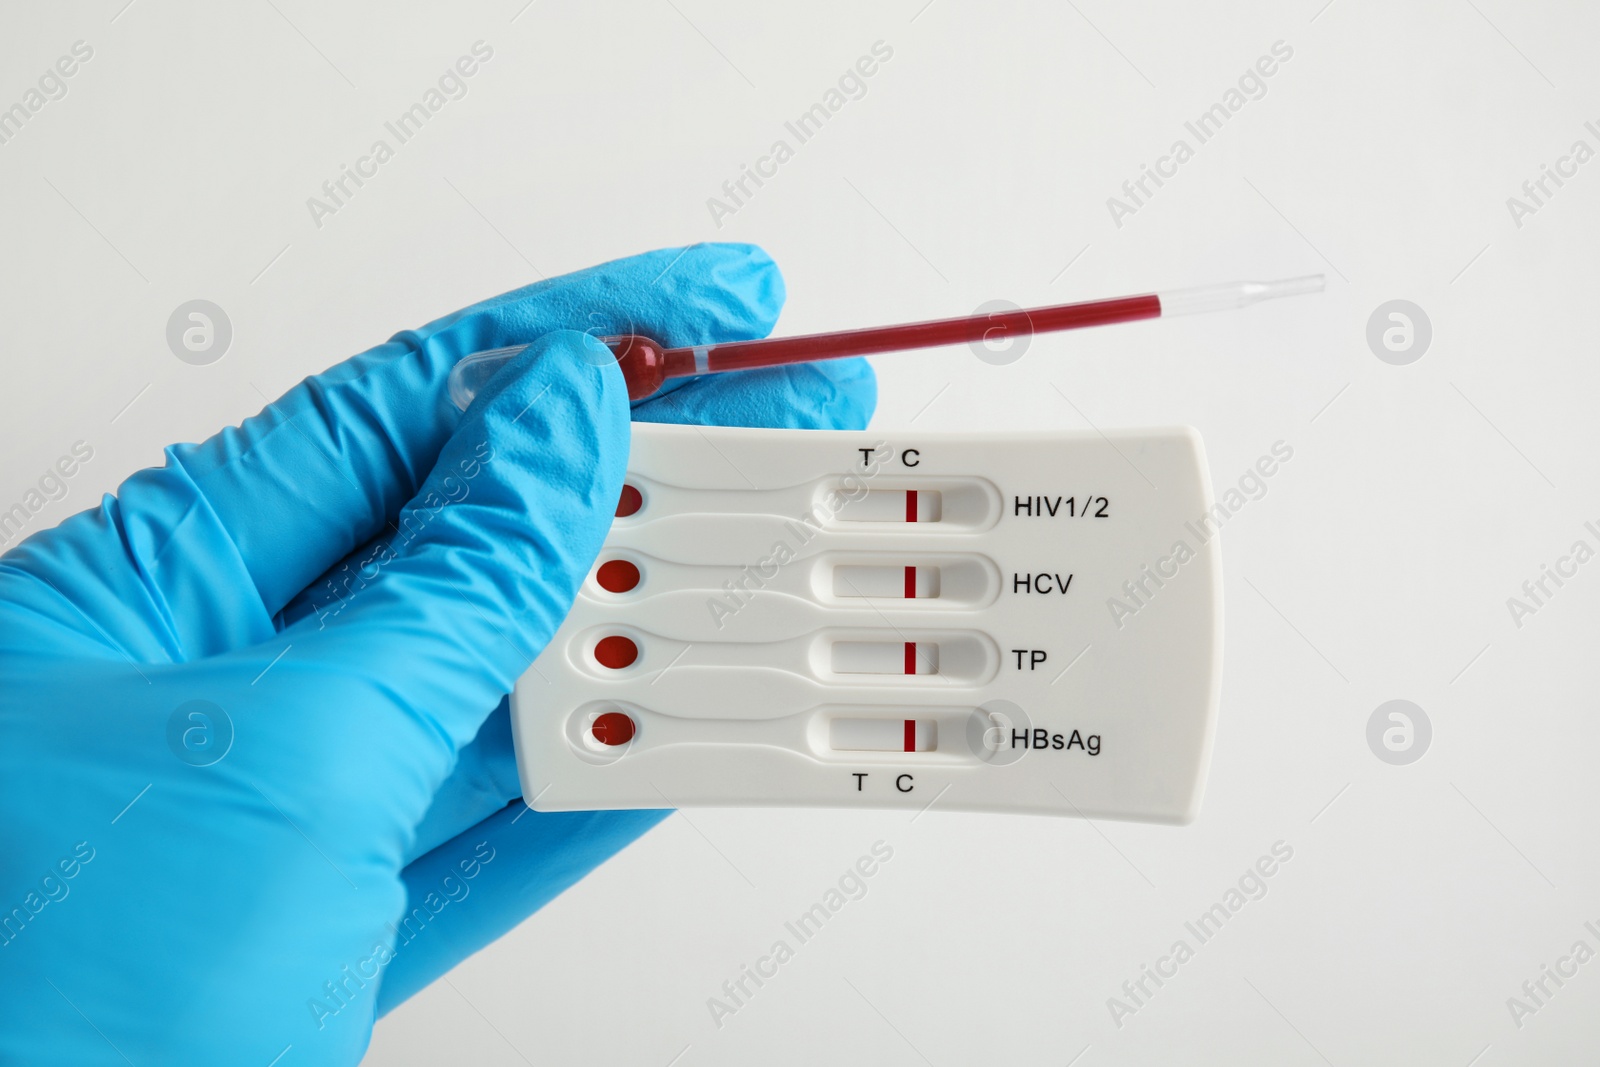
pixel 1022 622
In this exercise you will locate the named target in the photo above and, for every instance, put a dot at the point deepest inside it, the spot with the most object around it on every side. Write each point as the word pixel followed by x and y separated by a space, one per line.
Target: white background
pixel 978 165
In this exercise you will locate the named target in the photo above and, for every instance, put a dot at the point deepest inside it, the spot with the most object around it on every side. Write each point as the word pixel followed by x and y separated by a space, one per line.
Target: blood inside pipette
pixel 646 365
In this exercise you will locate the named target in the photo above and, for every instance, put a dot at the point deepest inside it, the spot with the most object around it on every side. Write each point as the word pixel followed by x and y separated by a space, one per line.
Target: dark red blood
pixel 616 652
pixel 612 728
pixel 629 502
pixel 617 576
pixel 643 363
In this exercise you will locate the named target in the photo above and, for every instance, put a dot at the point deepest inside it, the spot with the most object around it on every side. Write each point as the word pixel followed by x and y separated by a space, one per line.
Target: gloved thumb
pixel 483 564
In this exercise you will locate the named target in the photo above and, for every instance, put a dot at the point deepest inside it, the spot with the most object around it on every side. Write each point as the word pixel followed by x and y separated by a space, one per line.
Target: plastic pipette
pixel 646 364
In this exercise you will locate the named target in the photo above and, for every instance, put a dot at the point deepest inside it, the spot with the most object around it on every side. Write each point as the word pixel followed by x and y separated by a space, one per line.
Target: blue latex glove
pixel 254 787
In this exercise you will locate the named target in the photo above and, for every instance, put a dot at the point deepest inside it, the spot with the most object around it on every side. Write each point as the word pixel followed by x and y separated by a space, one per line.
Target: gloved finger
pixel 835 395
pixel 487 560
pixel 483 780
pixel 472 889
pixel 832 394
pixel 236 526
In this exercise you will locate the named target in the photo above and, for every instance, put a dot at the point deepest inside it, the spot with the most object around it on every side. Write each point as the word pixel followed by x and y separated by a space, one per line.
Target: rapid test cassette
pixel 1024 622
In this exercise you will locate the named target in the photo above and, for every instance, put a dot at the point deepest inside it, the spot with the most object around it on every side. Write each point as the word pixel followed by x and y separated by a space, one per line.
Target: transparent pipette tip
pixel 1236 294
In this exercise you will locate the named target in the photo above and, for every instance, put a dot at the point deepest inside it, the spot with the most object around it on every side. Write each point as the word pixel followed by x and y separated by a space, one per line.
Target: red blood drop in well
pixel 617 576
pixel 630 502
pixel 612 728
pixel 616 652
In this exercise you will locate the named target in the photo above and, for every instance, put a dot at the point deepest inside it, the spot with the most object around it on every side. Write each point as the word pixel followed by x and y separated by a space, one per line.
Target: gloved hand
pixel 254 787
